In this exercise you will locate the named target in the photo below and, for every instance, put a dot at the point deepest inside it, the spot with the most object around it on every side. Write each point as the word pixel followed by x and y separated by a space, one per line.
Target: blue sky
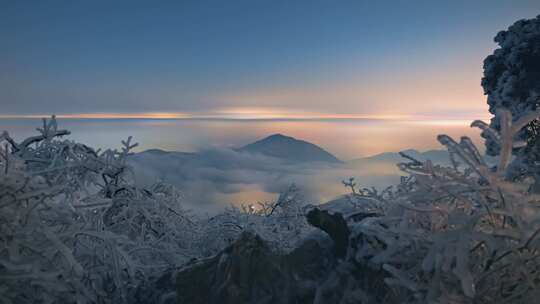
pixel 220 57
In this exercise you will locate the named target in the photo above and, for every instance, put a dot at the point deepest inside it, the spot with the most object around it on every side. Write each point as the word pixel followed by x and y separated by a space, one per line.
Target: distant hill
pixel 436 156
pixel 289 148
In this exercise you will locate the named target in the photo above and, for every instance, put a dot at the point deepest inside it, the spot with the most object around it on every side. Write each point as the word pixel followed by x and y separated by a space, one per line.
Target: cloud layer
pixel 213 179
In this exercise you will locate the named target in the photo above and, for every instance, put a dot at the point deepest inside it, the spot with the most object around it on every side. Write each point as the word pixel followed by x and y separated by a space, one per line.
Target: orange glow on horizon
pixel 266 114
pixel 279 113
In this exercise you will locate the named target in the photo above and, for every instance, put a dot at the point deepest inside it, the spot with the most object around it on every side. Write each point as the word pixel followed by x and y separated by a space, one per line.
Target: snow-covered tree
pixel 512 81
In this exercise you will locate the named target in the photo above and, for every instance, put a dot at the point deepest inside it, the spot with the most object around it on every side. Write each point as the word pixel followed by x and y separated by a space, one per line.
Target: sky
pixel 249 59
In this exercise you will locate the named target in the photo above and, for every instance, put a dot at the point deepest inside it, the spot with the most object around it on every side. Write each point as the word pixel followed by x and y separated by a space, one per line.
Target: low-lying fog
pixel 215 178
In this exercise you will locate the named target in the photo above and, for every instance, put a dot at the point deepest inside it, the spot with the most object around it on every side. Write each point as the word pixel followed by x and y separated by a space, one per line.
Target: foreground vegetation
pixel 76 229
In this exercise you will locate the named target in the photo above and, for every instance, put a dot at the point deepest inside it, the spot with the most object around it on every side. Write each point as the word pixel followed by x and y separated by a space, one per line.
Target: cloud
pixel 213 179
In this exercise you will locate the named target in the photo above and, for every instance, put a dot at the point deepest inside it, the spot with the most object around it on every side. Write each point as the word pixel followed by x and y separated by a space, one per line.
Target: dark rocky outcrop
pixel 248 271
pixel 333 224
pixel 157 289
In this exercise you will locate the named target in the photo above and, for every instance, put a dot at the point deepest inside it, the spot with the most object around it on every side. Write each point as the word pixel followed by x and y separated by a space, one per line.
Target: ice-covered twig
pixel 49 131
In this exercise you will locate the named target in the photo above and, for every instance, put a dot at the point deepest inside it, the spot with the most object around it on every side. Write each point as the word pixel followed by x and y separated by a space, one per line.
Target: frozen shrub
pixel 461 234
pixel 282 223
pixel 74 228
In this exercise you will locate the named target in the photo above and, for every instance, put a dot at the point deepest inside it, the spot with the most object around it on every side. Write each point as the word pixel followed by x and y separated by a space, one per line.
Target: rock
pixel 245 272
pixel 159 289
pixel 248 271
pixel 333 224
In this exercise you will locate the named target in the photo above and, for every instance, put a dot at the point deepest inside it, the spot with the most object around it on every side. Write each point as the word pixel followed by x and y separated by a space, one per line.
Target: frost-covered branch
pixel 465 231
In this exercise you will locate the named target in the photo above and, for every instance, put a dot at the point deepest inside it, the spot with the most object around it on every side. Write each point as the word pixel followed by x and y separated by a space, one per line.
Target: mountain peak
pixel 278 137
pixel 289 148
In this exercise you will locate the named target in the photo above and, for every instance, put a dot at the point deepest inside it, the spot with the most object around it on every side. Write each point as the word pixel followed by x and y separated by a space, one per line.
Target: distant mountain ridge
pixel 299 151
pixel 289 148
pixel 437 156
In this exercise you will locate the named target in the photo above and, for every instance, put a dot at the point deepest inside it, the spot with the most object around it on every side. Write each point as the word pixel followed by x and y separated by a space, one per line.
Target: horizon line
pixel 228 116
